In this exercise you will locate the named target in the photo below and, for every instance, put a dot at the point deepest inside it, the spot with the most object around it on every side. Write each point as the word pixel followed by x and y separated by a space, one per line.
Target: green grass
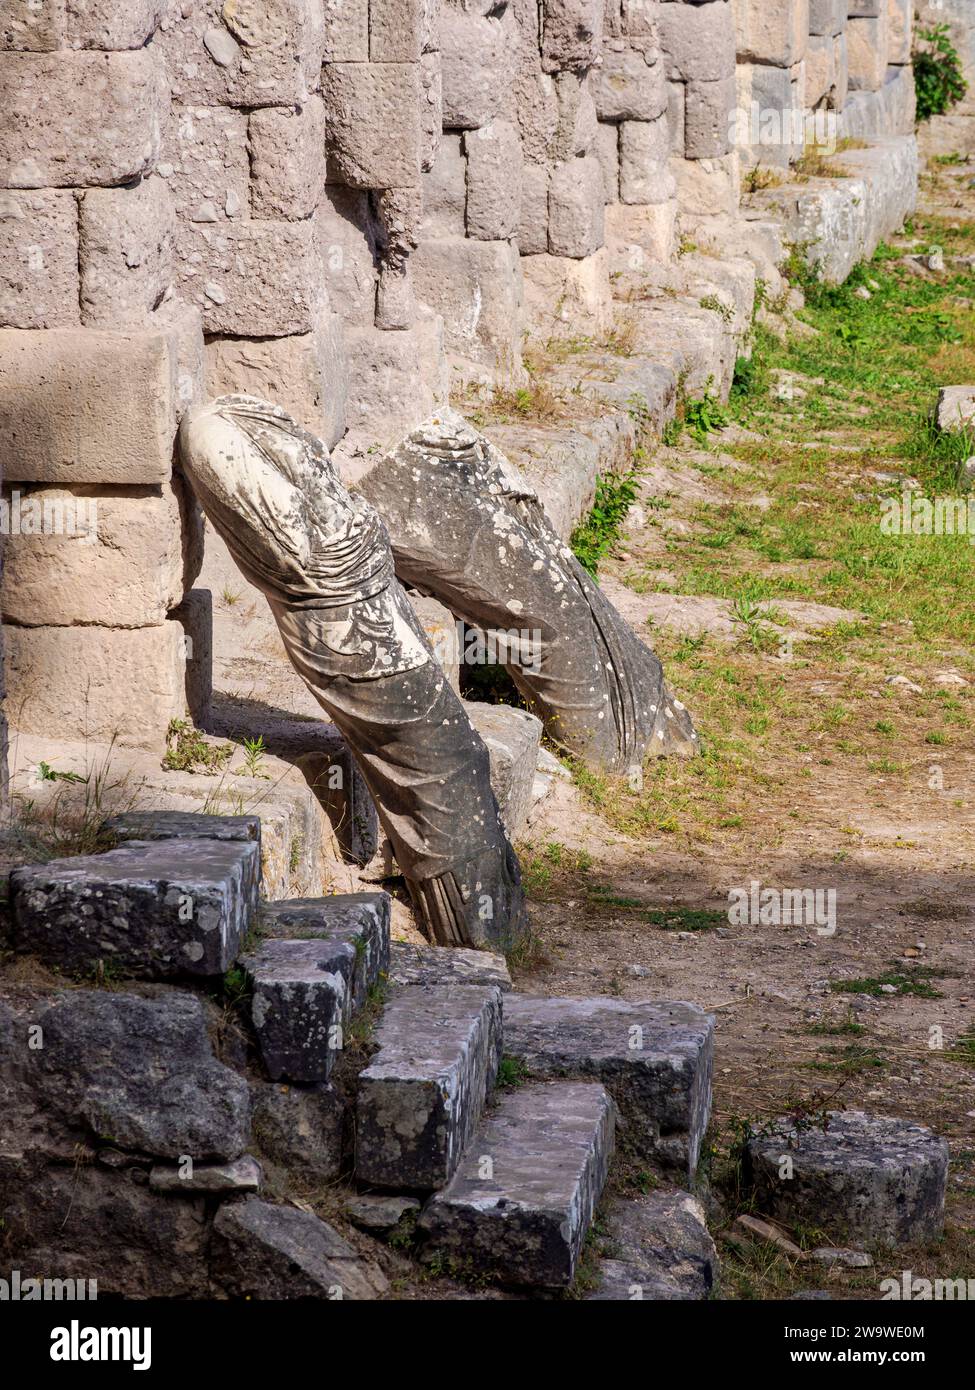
pixel 916 981
pixel 593 538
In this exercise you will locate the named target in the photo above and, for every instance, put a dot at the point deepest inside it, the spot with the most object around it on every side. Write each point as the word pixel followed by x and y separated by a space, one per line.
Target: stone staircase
pixel 491 1115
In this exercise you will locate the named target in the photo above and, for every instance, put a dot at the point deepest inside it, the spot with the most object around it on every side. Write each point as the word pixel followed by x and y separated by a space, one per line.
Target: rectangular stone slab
pixel 301 1002
pixel 356 924
pixel 153 909
pixel 181 825
pixel 522 1200
pixel 654 1058
pixel 445 965
pixel 421 1097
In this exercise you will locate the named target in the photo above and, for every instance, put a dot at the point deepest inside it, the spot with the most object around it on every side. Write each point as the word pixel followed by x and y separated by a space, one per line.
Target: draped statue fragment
pixel 468 530
pixel 322 559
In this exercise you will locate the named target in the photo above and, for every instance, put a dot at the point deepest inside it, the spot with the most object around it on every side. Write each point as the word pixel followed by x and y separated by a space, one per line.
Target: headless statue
pixel 468 530
pixel 322 559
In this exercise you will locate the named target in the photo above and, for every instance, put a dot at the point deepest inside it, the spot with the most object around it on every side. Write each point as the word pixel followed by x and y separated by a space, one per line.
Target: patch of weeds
pixel 512 1073
pixel 593 538
pixel 188 751
pixel 705 416
pixel 50 774
pixel 915 980
pixel 849 1060
pixel 254 751
pixel 938 72
pixel 527 954
pixel 836 1028
pixel 963 1049
pixel 686 918
pixel 717 306
pixel 359 1034
pixel 236 987
pixel 761 177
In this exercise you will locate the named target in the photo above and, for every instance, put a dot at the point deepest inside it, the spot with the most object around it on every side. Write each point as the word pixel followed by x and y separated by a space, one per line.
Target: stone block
pixel 866 50
pixel 440 628
pixel 138 1072
pixel 304 373
pixel 512 737
pixel 38 259
pixel 661 1250
pixel 900 31
pixel 771 31
pixel 276 1253
pixel 347 235
pixel 205 163
pixel 956 408
pixel 827 17
pixel 395 379
pixel 820 63
pixel 631 85
pixel 248 53
pixel 125 252
pixel 607 151
pixel 478 57
pixel 77 119
pixel 32 26
pixel 640 234
pixel 395 31
pixel 287 150
pixel 346 31
pixel 476 287
pixel 422 1094
pixel 106 24
pixel 431 108
pixel 709 118
pixel 841 61
pixel 493 181
pixel 533 223
pixel 220 1179
pixel 355 926
pixel 181 825
pixel 92 555
pixel 373 126
pixel 250 277
pixel 707 188
pixel 576 208
pixel 770 114
pixel 644 173
pixel 565 296
pixel 519 1206
pixel 654 1058
pixel 154 909
pixel 299 1005
pixel 444 189
pixel 133 681
pixel 572 32
pixel 195 617
pixel 863 1178
pixel 300 1128
pixel 79 406
pixel 698 40
pixel 441 965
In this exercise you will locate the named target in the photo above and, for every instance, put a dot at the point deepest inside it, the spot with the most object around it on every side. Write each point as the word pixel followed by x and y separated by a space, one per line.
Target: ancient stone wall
pixel 351 207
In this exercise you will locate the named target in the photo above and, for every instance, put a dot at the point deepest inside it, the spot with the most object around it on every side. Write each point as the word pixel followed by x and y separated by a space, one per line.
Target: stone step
pixel 446 965
pixel 422 1095
pixel 656 1247
pixel 654 1058
pixel 519 1206
pixel 154 909
pixel 180 825
pixel 310 975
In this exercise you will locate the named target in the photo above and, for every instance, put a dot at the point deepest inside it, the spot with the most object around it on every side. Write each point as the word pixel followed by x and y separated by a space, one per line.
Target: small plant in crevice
pixel 593 538
pixel 938 78
pixel 187 750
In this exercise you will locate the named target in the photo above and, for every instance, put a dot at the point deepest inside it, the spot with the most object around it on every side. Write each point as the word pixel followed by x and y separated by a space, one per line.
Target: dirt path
pixel 832 673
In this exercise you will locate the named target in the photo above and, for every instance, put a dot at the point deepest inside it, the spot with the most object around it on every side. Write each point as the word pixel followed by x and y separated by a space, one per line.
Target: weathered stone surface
pixel 900 29
pixel 659 1248
pixel 512 737
pixel 641 234
pixel 242 1175
pixel 827 16
pixel 956 407
pixel 566 297
pixel 607 151
pixel 644 175
pixel 422 1094
pixel 89 555
pixel 205 163
pixel 249 53
pixel 866 49
pixel 572 32
pixel 380 1215
pixel 533 224
pixel 706 188
pixel 440 965
pixel 346 31
pixel 373 127
pixel 347 233
pixel 631 84
pixel 493 181
pixel 125 253
pixel 300 1128
pixel 395 379
pixel 440 627
pixel 654 1058
pixel 698 40
pixel 30 26
pixel 575 208
pixel 255 278
pixel 134 681
pixel 355 926
pixel 76 119
pixel 86 1222
pixel 83 407
pixel 862 1177
pixel 475 286
pixel 106 24
pixel 299 1005
pixel 38 259
pixel 709 117
pixel 305 373
pixel 287 149
pixel 139 1073
pixel 395 31
pixel 270 1252
pixel 181 825
pixel 521 1202
pixel 771 31
pixel 478 60
pixel 151 908
pixel 445 190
